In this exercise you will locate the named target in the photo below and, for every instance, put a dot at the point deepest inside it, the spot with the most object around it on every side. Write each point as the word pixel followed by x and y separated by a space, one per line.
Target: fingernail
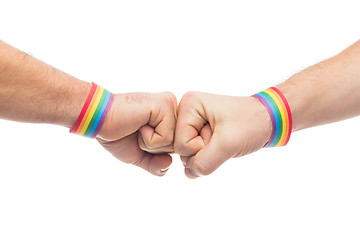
pixel 164 170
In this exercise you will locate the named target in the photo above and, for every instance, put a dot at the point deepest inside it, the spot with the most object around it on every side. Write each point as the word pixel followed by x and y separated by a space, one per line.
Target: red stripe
pixel 85 107
pixel 289 113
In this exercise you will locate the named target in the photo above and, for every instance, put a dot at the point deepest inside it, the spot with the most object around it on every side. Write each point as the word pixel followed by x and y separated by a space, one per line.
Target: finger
pixel 157 164
pixel 165 149
pixel 153 140
pixel 159 131
pixel 189 124
pixel 173 99
pixel 190 174
pixel 128 151
pixel 184 160
pixel 208 159
pixel 206 134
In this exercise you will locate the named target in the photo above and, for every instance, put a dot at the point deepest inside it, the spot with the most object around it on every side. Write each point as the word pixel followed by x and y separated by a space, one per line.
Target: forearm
pixel 326 92
pixel 32 91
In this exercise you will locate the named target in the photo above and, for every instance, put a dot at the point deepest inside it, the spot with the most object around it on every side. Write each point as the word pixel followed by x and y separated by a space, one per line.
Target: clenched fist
pixel 214 128
pixel 139 129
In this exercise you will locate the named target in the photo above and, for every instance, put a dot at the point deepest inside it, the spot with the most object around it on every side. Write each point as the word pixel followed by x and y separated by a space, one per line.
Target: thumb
pixel 209 158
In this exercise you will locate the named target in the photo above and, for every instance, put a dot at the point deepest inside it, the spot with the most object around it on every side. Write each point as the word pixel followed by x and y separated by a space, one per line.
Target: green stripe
pixel 96 113
pixel 279 114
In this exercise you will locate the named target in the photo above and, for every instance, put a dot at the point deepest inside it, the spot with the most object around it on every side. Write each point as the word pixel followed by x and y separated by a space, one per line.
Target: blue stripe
pixel 101 112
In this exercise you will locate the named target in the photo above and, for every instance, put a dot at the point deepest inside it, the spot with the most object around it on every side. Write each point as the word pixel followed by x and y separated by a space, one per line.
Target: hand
pixel 214 128
pixel 139 129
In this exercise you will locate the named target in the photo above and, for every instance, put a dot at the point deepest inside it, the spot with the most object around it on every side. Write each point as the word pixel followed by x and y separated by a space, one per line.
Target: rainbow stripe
pixel 94 112
pixel 280 114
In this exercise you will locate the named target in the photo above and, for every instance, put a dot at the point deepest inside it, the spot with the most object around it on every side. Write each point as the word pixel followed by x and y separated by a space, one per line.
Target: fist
pixel 213 128
pixel 139 129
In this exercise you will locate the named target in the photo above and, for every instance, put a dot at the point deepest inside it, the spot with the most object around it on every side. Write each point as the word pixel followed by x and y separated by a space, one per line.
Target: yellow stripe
pixel 281 107
pixel 281 143
pixel 93 109
pixel 285 122
pixel 88 110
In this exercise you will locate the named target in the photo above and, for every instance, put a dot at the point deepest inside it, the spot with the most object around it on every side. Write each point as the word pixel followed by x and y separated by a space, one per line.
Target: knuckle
pixel 201 168
pixel 168 139
pixel 143 143
pixel 136 163
pixel 166 99
pixel 191 100
pixel 186 148
pixel 180 147
pixel 190 95
pixel 156 142
pixel 149 145
pixel 143 147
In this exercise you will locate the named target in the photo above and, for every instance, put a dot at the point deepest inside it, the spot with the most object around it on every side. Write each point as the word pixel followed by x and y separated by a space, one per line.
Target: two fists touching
pixel 205 130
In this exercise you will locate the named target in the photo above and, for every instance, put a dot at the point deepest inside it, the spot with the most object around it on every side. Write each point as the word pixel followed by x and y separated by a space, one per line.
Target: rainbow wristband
pixel 280 115
pixel 94 112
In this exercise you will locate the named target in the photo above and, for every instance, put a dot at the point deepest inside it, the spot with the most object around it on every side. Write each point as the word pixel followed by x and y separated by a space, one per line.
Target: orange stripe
pixel 88 110
pixel 286 118
pixel 91 114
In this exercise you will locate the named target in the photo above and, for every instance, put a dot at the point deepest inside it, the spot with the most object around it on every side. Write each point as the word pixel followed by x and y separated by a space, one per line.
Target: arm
pixel 212 128
pixel 32 91
pixel 138 129
pixel 326 92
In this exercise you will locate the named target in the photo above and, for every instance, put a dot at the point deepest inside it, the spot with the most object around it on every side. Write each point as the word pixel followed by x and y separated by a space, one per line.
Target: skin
pixel 139 128
pixel 209 129
pixel 212 128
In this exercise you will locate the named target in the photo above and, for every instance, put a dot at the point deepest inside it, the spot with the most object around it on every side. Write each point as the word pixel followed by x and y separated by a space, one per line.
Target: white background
pixel 54 185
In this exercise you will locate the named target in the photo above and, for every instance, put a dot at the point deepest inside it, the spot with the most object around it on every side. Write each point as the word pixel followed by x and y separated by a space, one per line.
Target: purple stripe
pixel 103 116
pixel 272 119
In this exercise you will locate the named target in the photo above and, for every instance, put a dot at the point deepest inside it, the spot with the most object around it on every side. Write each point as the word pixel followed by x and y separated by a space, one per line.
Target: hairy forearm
pixel 326 92
pixel 32 91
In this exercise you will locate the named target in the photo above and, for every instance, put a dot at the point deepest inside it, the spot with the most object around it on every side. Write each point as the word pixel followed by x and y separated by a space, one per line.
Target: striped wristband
pixel 280 115
pixel 94 112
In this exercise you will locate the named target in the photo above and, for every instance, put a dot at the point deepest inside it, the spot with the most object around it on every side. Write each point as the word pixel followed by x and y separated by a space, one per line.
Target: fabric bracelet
pixel 280 114
pixel 94 112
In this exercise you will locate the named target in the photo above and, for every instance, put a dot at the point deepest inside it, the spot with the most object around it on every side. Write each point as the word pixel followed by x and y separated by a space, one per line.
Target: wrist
pixel 264 124
pixel 93 112
pixel 71 102
pixel 279 111
pixel 129 112
pixel 299 101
